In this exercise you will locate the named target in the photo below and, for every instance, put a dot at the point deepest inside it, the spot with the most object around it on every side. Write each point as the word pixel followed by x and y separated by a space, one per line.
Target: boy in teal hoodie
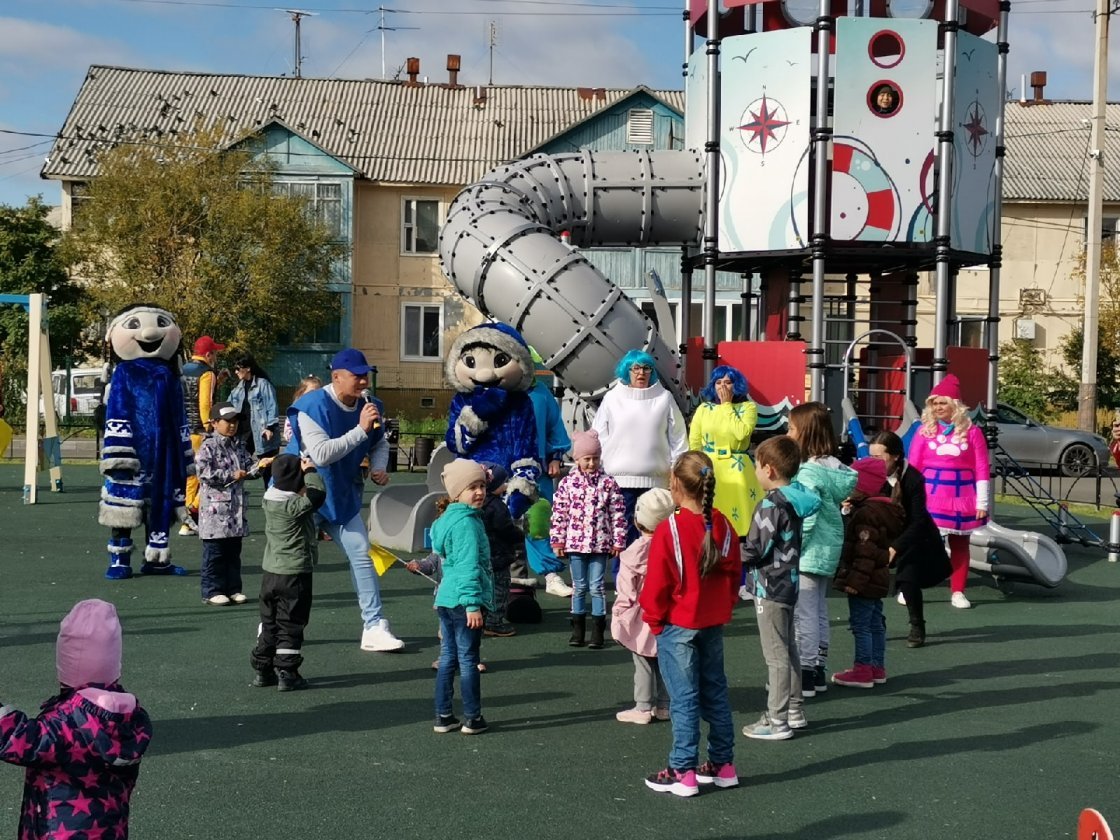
pixel 771 554
pixel 465 591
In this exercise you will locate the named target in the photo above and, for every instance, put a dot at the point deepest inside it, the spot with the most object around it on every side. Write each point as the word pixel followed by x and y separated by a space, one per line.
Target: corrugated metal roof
pixel 1048 152
pixel 432 134
pixel 386 131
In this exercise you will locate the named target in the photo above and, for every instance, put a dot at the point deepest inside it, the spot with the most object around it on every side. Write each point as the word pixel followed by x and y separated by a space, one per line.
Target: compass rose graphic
pixel 764 125
pixel 978 134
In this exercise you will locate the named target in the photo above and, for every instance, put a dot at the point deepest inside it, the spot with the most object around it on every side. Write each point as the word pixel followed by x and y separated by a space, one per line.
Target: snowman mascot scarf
pixel 147 452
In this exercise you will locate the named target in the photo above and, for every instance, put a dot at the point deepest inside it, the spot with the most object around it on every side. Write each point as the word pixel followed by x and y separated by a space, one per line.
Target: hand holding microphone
pixel 370 418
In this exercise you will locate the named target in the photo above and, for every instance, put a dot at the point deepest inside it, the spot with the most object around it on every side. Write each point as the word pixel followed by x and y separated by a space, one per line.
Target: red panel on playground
pixel 775 369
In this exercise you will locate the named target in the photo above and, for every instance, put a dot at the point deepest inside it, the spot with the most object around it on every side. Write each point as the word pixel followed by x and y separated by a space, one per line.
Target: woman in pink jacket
pixel 651 700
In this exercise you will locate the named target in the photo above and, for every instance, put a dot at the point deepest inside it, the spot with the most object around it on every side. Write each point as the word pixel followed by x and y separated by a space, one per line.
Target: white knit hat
pixel 653 507
pixel 459 475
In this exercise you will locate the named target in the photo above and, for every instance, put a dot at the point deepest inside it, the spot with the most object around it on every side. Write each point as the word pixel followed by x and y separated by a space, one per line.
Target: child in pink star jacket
pixel 83 751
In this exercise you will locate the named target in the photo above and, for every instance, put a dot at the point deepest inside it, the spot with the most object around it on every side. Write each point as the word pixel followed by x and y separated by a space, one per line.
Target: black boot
pixel 289 680
pixel 579 630
pixel 917 637
pixel 264 679
pixel 598 628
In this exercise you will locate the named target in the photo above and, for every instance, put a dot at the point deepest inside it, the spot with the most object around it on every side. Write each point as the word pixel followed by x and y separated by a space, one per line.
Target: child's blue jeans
pixel 869 628
pixel 587 577
pixel 691 663
pixel 458 651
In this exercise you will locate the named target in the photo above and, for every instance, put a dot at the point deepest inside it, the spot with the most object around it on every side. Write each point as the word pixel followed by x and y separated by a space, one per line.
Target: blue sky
pixel 46 46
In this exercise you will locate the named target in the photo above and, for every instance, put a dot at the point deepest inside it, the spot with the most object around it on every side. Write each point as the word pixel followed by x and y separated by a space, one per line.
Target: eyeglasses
pixel 641 369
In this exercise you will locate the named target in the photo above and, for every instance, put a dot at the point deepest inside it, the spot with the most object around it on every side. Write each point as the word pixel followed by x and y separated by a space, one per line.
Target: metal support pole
pixel 711 217
pixel 685 315
pixel 910 322
pixel 991 339
pixel 687 24
pixel 1114 537
pixel 822 136
pixel 943 309
pixel 1087 395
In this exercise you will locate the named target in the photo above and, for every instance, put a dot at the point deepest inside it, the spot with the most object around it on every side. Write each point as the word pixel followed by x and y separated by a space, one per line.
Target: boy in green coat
pixel 291 550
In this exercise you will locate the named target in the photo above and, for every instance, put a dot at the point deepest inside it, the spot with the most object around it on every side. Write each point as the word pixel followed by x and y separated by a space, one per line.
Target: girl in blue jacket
pixel 465 591
pixel 822 537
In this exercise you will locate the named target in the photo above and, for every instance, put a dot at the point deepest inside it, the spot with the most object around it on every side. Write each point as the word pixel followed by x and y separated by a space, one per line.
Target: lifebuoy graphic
pixel 865 201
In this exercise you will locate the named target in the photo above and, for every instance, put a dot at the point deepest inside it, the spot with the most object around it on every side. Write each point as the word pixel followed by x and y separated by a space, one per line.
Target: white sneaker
pixel 217 601
pixel 901 599
pixel 959 601
pixel 188 529
pixel 554 585
pixel 238 598
pixel 524 581
pixel 797 719
pixel 634 715
pixel 380 638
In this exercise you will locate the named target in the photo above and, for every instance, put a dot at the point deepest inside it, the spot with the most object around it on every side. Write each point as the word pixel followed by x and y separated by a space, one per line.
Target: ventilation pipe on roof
pixel 502 248
pixel 453 62
pixel 1038 82
pixel 412 67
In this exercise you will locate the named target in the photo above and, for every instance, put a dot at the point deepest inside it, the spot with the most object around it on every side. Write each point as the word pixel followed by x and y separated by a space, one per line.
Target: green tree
pixel 198 230
pixel 31 262
pixel 1108 335
pixel 1024 380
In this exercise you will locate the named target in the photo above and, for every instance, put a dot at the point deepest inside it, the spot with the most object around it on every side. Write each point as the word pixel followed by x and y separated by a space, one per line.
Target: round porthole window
pixel 800 12
pixel 886 49
pixel 910 8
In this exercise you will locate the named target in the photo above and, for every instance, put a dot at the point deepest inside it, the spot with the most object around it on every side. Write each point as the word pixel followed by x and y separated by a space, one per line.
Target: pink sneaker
pixel 878 675
pixel 720 775
pixel 676 782
pixel 858 676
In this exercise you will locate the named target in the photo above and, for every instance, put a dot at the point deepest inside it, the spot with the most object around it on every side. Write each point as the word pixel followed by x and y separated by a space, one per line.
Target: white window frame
pixel 283 186
pixel 422 305
pixel 406 226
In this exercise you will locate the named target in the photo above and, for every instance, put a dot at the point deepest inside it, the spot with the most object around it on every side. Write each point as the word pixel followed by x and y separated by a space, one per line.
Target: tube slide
pixel 1017 555
pixel 500 247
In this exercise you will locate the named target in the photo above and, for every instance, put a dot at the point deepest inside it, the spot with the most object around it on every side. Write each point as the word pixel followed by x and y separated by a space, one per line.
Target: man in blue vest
pixel 337 428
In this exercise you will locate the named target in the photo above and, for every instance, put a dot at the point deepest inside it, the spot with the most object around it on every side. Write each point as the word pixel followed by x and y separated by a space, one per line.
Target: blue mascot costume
pixel 492 416
pixel 147 453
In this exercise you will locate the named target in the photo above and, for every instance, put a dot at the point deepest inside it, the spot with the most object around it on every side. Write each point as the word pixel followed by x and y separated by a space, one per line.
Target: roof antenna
pixel 493 44
pixel 297 15
pixel 381 26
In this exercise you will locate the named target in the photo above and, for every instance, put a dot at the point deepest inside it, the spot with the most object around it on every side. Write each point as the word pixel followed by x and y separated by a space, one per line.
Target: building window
pixel 422 332
pixel 970 332
pixel 324 201
pixel 419 226
pixel 639 127
pixel 79 200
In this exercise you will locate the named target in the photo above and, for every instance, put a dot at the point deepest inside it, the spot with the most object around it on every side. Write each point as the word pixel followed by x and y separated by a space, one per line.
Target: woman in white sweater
pixel 641 430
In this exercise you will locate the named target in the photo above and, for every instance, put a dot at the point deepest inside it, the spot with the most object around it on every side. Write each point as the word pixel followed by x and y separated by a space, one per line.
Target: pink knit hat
pixel 586 443
pixel 89 645
pixel 949 387
pixel 872 476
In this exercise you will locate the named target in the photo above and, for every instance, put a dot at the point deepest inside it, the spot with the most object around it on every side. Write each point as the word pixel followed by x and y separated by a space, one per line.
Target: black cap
pixel 223 411
pixel 287 473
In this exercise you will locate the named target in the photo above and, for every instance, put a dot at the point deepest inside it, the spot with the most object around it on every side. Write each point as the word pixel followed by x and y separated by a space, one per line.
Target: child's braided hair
pixel 697 480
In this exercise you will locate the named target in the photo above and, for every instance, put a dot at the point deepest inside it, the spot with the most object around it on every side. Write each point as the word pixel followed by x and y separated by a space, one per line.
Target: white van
pixel 83 392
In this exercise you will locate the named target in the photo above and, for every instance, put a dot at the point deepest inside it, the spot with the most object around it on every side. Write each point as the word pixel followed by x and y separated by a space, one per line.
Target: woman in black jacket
pixel 918 554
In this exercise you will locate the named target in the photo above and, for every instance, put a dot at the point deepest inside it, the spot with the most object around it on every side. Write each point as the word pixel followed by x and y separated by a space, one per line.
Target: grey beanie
pixel 653 507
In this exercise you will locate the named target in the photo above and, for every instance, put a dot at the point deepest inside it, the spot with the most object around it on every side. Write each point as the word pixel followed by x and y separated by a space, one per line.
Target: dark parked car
pixel 1035 444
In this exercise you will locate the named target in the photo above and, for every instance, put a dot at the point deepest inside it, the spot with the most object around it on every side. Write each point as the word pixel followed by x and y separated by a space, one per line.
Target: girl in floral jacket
pixel 83 751
pixel 223 463
pixel 589 524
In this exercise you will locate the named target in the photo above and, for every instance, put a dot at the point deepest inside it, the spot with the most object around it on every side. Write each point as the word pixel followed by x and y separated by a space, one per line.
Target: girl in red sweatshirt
pixel 691 587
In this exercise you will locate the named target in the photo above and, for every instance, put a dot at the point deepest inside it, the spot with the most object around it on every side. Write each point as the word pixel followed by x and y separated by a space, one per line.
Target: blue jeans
pixel 458 649
pixel 587 576
pixel 810 619
pixel 353 538
pixel 691 663
pixel 869 627
pixel 221 567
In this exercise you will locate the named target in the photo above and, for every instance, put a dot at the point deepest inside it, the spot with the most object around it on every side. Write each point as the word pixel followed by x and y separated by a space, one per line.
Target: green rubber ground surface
pixel 1005 725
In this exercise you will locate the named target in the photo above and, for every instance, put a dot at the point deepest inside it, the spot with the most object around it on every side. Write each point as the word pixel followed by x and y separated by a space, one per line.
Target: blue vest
pixel 343 478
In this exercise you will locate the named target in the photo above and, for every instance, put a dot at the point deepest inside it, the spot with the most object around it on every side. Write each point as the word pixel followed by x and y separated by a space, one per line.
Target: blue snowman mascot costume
pixel 491 416
pixel 147 453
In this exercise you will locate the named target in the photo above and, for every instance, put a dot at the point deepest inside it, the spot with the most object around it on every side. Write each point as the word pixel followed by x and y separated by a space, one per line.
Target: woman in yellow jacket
pixel 721 428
